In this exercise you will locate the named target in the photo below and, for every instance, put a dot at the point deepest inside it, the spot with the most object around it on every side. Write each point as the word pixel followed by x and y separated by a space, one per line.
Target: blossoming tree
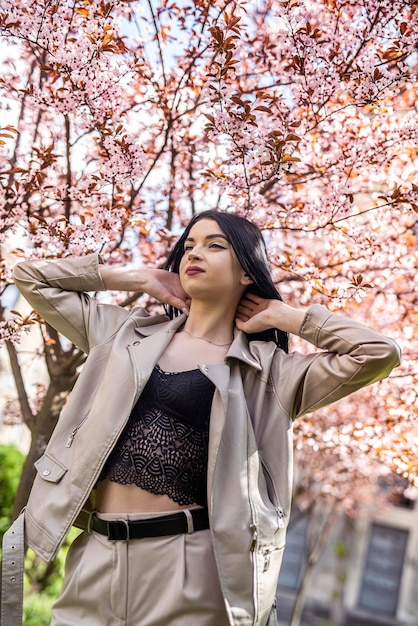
pixel 120 120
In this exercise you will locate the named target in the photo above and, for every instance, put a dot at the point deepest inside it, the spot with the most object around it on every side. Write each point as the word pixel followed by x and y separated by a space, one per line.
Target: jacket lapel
pixel 227 379
pixel 147 349
pixel 219 374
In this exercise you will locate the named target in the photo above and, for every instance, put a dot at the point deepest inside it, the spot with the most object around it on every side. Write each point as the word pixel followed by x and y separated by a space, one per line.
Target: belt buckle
pixel 114 527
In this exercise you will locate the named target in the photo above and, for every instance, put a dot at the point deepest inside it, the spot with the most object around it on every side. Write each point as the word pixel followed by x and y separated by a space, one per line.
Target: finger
pixel 178 303
pixel 247 302
pixel 243 312
pixel 246 306
pixel 240 324
pixel 251 297
pixel 251 305
pixel 244 325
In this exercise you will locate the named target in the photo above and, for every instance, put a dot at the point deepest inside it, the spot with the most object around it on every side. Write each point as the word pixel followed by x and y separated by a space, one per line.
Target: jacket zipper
pixel 253 546
pixel 266 554
pixel 281 515
pixel 280 512
pixel 77 428
pixel 74 432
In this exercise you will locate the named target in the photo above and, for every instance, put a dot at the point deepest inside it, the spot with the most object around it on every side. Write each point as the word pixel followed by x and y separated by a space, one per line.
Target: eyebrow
pixel 214 236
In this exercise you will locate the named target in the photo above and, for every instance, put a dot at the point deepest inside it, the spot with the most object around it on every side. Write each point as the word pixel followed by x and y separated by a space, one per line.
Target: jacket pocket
pixel 49 469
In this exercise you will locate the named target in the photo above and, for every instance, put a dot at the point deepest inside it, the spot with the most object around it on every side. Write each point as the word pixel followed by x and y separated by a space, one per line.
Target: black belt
pixel 174 524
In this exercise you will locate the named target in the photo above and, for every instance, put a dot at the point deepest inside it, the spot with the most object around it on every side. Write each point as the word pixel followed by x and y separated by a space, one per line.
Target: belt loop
pixel 189 517
pixel 126 522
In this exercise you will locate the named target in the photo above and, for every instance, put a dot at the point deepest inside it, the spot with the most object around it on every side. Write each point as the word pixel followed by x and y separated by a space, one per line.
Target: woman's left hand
pixel 255 314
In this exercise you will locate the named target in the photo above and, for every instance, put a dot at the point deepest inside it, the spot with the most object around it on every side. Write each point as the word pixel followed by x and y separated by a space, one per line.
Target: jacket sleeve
pixel 352 356
pixel 57 288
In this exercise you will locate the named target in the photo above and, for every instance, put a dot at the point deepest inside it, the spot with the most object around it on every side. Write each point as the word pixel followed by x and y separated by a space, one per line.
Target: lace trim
pixel 163 448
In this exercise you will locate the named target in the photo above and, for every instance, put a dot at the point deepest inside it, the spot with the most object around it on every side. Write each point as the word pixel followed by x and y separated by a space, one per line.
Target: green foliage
pixel 37 610
pixel 11 463
pixel 340 549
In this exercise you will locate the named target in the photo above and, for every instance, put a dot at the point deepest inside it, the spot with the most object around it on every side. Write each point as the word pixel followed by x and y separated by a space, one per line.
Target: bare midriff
pixel 112 497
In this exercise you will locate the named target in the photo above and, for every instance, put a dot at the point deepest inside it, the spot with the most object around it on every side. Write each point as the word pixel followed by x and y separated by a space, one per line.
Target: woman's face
pixel 209 268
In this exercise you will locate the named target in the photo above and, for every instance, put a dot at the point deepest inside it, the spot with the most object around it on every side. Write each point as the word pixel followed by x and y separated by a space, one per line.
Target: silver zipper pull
pixel 71 438
pixel 280 516
pixel 266 561
pixel 255 537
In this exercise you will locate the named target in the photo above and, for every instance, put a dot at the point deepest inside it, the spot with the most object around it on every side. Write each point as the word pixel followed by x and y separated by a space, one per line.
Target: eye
pixel 187 247
pixel 217 245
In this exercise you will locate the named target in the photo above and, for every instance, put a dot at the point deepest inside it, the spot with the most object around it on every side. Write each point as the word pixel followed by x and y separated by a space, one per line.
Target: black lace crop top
pixel 164 445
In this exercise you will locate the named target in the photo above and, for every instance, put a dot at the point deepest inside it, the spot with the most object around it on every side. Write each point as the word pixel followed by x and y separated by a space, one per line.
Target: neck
pixel 213 325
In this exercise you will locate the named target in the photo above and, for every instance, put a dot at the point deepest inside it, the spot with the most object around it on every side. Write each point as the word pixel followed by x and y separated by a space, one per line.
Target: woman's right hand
pixel 162 285
pixel 165 287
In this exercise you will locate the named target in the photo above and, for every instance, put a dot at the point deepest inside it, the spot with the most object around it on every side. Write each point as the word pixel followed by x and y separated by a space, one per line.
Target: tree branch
pixel 26 411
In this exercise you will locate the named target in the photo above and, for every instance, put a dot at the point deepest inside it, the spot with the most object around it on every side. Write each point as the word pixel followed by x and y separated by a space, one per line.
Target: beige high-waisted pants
pixel 159 581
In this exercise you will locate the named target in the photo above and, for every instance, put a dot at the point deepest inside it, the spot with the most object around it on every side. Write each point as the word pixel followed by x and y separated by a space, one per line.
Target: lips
pixel 192 270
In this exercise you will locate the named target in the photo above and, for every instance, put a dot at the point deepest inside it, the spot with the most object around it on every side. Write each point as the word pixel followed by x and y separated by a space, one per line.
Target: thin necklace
pixel 208 340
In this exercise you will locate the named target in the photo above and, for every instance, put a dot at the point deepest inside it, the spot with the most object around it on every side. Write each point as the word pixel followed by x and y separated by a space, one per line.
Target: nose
pixel 194 253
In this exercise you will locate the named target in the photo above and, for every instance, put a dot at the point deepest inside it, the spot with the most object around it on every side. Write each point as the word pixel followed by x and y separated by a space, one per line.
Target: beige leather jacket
pixel 260 390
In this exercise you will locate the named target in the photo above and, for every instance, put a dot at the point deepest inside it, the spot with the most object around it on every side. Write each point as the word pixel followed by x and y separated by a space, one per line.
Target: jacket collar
pixel 239 348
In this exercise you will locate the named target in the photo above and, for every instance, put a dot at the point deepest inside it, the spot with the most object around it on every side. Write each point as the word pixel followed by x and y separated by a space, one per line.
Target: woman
pixel 174 451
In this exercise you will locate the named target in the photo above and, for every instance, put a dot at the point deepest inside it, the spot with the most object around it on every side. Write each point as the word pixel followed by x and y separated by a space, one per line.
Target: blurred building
pixel 379 583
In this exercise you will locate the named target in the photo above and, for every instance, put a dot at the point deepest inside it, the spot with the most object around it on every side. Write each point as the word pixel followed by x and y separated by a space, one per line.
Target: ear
pixel 246 280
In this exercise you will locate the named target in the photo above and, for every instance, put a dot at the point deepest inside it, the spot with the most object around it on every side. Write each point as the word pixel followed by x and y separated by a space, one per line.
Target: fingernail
pixel 185 311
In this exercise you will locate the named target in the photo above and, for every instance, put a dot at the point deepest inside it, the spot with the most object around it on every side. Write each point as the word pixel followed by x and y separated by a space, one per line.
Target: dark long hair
pixel 250 248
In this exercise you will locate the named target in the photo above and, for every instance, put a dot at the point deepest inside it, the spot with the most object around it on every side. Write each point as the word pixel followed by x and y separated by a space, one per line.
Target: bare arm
pixel 162 285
